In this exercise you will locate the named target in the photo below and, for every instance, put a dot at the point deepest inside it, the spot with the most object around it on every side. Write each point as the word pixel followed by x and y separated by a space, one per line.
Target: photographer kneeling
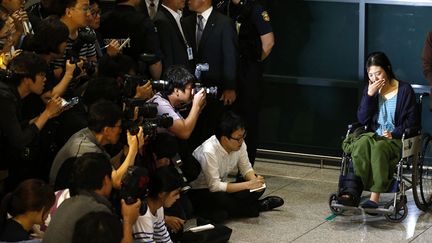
pixel 26 75
pixel 104 127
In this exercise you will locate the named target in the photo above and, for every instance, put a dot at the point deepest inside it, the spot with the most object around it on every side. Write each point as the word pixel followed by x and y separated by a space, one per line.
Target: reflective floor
pixel 306 216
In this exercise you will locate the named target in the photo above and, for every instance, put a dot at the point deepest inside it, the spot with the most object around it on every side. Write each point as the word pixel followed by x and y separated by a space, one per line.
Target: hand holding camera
pixel 130 212
pixel 199 99
pixel 135 141
pixel 144 91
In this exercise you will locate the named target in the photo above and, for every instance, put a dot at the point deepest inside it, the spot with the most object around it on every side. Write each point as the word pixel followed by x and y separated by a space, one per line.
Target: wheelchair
pixel 413 171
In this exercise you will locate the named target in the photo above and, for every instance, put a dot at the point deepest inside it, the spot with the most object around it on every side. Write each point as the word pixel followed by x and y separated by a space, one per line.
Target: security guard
pixel 256 41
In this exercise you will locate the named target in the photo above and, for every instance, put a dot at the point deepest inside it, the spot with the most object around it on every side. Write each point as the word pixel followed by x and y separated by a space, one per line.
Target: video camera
pixel 134 186
pixel 146 117
pixel 132 81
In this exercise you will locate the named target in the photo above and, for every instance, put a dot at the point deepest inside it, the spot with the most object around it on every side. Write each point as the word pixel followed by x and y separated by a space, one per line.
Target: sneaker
pixel 269 203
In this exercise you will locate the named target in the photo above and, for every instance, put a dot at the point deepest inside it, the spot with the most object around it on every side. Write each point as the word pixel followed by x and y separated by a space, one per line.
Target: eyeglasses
pixel 239 139
pixel 85 9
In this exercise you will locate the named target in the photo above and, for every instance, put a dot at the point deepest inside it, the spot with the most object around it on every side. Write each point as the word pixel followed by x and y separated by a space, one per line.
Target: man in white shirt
pixel 213 196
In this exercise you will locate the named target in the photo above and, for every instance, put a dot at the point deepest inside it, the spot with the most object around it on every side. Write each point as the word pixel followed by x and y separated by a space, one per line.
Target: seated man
pixel 92 184
pixel 178 94
pixel 212 196
pixel 388 107
pixel 104 127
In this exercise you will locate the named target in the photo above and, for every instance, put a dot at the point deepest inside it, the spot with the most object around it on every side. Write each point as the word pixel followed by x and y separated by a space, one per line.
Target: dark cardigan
pixel 406 114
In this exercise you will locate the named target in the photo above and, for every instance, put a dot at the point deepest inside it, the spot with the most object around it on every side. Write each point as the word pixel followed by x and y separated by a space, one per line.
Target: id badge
pixel 190 53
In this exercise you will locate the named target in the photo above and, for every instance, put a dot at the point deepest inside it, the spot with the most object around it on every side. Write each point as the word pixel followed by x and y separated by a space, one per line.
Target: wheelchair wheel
pixel 422 175
pixel 336 211
pixel 401 210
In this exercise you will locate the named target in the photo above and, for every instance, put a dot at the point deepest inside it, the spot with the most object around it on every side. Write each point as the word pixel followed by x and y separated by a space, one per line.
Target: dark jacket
pixel 406 114
pixel 15 133
pixel 172 43
pixel 218 47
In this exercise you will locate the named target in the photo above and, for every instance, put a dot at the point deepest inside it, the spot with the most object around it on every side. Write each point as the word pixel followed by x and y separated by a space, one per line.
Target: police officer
pixel 256 41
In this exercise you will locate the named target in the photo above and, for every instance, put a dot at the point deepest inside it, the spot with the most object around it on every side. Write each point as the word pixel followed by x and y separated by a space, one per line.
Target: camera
pixel 211 92
pixel 85 36
pixel 177 162
pixel 199 68
pixel 145 116
pixel 134 186
pixel 132 81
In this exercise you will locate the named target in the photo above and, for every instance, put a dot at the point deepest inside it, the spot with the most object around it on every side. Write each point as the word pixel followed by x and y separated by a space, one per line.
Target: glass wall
pixel 315 74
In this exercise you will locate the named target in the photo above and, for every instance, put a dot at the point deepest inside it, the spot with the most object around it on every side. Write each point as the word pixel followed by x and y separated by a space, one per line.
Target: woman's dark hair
pixel 178 77
pixel 229 123
pixel 381 60
pixel 30 195
pixel 50 34
pixel 98 227
pixel 165 179
pixel 89 171
pixel 26 65
pixel 102 114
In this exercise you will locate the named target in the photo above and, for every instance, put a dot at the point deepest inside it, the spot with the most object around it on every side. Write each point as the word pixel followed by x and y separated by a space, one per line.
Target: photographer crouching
pixel 25 75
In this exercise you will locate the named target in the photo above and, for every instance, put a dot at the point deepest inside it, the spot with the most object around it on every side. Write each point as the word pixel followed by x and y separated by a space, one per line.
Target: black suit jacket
pixel 171 41
pixel 218 47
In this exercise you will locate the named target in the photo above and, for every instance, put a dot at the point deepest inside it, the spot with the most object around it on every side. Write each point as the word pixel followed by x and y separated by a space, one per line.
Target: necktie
pixel 152 9
pixel 200 28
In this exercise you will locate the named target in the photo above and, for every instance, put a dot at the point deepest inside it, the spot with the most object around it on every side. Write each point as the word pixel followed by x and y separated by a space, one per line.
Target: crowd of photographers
pixel 104 111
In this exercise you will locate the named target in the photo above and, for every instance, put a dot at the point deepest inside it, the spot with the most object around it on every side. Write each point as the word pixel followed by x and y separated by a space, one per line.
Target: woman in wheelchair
pixel 388 106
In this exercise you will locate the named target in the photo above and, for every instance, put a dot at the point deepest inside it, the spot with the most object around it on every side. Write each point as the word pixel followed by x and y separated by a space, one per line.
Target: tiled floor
pixel 306 216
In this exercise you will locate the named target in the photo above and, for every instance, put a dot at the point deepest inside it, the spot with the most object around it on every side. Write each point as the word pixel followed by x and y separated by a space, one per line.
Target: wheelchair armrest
pixel 354 126
pixel 411 132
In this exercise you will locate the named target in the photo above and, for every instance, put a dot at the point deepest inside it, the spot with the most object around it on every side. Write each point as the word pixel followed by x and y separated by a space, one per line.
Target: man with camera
pixel 126 23
pixel 92 185
pixel 104 127
pixel 178 94
pixel 81 41
pixel 26 75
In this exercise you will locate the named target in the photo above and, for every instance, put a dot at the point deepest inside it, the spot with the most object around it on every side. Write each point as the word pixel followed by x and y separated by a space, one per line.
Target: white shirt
pixel 216 164
pixel 206 15
pixel 151 228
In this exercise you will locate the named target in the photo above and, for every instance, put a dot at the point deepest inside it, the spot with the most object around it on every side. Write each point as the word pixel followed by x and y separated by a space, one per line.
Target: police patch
pixel 266 16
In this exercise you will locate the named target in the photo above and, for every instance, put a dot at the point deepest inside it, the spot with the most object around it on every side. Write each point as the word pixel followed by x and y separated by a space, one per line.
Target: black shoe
pixel 269 203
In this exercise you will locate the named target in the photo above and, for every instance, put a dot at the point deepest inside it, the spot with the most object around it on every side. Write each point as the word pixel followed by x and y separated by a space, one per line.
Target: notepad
pixel 259 188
